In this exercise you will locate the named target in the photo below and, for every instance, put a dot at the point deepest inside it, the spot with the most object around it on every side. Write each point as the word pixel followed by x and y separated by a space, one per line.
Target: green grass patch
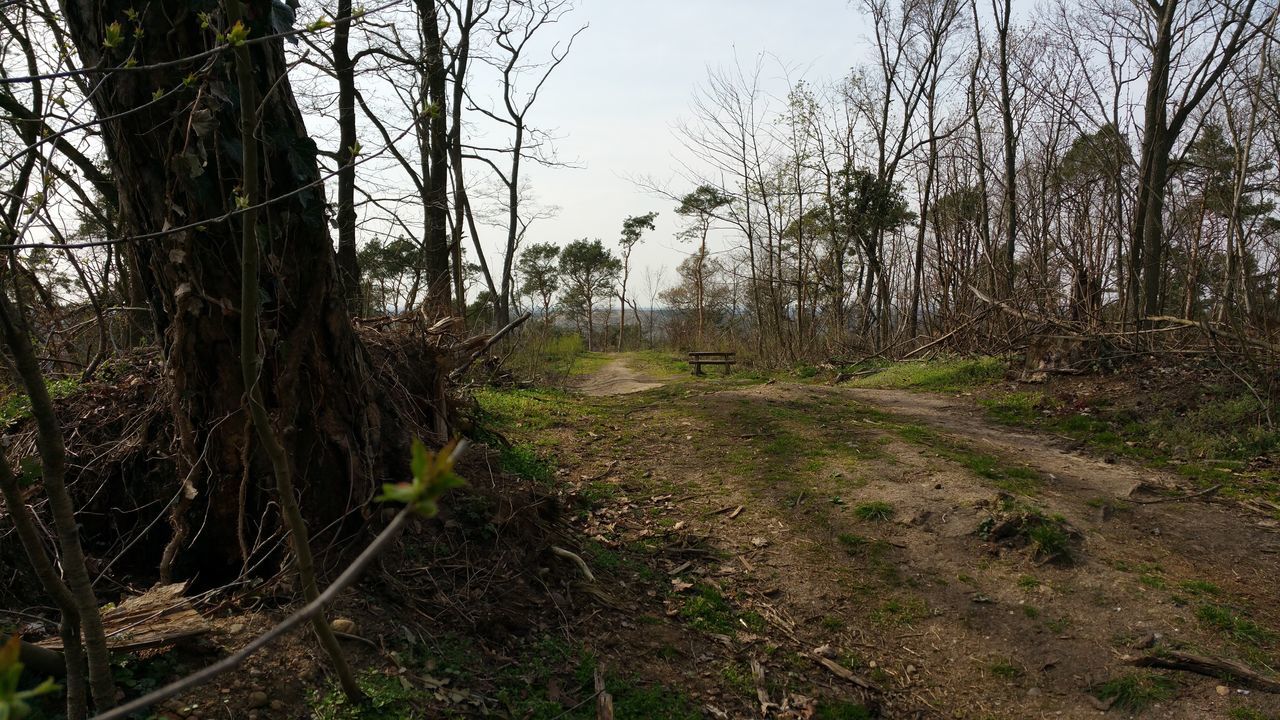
pixel 874 511
pixel 896 612
pixel 1136 691
pixel 1015 479
pixel 937 375
pixel 707 609
pixel 1005 670
pixel 1209 437
pixel 1239 629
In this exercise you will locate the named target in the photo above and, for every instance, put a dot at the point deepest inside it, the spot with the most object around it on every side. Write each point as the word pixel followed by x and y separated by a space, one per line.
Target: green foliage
pixel 14 703
pixel 432 477
pixel 113 36
pixel 1136 691
pixel 876 510
pixel 539 270
pixel 386 698
pixel 17 405
pixel 937 375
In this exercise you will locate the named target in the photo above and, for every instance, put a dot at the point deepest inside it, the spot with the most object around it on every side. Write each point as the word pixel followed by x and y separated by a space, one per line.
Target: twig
pixel 1202 493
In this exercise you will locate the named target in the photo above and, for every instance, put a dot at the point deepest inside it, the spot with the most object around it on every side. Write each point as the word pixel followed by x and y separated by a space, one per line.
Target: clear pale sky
pixel 631 78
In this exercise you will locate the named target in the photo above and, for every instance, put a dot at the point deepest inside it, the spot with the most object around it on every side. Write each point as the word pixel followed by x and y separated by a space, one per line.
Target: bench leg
pixel 697 369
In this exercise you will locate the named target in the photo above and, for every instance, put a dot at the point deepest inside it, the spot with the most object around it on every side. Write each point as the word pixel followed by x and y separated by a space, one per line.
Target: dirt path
pixel 849 520
pixel 616 378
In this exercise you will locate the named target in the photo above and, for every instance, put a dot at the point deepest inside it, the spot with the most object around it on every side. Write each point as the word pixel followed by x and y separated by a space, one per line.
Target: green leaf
pixel 237 35
pixel 114 36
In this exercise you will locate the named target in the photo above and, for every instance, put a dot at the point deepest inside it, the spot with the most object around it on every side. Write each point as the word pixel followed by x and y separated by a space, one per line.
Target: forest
pixel 345 372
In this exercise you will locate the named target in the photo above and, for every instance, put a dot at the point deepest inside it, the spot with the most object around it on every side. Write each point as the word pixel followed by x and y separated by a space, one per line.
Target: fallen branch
pixel 1221 668
pixel 1203 493
pixel 457 372
pixel 844 673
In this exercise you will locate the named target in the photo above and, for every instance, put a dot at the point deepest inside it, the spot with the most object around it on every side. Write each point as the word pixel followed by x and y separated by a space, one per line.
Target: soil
pixel 615 378
pixel 784 550
pixel 772 480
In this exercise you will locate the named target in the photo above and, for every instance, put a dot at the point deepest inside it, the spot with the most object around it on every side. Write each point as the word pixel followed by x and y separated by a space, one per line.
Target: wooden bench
pixel 699 358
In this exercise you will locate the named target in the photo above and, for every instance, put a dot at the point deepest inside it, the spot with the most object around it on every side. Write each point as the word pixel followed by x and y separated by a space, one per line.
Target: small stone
pixel 1033 691
pixel 236 628
pixel 257 699
pixel 1223 690
pixel 343 625
pixel 277 705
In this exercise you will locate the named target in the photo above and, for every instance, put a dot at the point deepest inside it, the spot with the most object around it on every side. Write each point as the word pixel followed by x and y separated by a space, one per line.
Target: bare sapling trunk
pixel 33 545
pixel 251 366
pixel 53 456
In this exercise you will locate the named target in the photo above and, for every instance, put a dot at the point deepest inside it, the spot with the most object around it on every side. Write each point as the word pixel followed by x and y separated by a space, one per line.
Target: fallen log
pixel 1221 668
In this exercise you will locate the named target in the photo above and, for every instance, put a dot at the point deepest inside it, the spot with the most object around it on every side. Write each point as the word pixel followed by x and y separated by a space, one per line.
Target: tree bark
pixel 178 165
pixel 345 71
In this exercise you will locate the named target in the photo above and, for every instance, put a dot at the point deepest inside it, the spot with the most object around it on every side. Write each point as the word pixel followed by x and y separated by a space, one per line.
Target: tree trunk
pixel 436 202
pixel 313 376
pixel 344 70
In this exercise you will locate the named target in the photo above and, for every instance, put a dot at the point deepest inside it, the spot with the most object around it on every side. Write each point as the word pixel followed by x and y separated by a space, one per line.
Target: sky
pixel 631 77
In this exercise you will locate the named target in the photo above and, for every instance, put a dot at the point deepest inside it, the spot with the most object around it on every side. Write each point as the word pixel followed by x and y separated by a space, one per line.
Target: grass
pixel 937 375
pixel 1136 691
pixel 860 545
pixel 1015 523
pixel 1209 437
pixel 1239 629
pixel 895 612
pixel 1244 712
pixel 706 609
pixel 1005 670
pixel 875 511
pixel 1014 479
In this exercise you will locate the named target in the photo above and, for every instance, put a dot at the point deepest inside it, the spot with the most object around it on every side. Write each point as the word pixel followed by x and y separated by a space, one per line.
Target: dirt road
pixel 852 521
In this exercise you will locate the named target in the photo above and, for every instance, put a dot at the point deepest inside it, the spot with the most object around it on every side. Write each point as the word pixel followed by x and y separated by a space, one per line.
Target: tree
pixel 632 230
pixel 701 208
pixel 537 266
pixel 590 271
pixel 312 369
pixel 514 31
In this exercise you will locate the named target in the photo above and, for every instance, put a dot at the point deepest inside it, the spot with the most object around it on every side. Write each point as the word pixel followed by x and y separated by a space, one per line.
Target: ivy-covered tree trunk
pixel 172 135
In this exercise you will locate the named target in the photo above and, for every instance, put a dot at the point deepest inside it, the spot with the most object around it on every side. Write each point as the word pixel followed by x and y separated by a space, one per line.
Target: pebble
pixel 1223 690
pixel 257 699
pixel 343 625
